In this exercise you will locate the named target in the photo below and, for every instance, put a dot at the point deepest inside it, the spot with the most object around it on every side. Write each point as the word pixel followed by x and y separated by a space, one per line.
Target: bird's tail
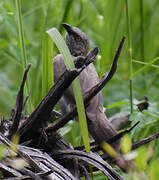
pixel 102 130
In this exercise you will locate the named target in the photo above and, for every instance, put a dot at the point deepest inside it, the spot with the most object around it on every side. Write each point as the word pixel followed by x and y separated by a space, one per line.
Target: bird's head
pixel 76 40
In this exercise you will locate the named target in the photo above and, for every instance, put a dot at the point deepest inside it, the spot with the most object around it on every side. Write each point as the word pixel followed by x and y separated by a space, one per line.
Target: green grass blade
pixel 142 32
pixel 117 104
pixel 150 114
pixel 130 55
pixel 47 58
pixel 21 33
pixel 145 67
pixel 144 63
pixel 60 43
pixel 22 46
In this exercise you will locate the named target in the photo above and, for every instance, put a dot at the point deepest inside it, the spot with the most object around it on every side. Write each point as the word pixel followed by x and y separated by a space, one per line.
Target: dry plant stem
pixel 25 101
pixel 19 105
pixel 119 135
pixel 90 94
pixel 144 141
pixel 96 147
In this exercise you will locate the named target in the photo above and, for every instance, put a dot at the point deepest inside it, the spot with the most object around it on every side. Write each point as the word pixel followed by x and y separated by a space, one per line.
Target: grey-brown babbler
pixel 98 124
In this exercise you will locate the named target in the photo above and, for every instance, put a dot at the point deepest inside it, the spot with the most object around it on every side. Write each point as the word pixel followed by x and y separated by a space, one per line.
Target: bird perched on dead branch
pixel 98 124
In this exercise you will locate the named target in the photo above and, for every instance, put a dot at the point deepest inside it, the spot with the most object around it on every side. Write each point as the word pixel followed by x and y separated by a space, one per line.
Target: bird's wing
pixel 88 79
pixel 98 124
pixel 67 100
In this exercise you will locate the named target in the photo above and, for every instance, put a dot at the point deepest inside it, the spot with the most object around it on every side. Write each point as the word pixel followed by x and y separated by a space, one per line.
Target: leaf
pixel 14 148
pixel 63 131
pixel 117 104
pixel 2 151
pixel 126 144
pixel 47 56
pixel 154 170
pixel 141 159
pixel 3 42
pixel 109 149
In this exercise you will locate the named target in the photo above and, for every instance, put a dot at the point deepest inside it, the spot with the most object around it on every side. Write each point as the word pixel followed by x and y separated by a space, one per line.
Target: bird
pixel 99 126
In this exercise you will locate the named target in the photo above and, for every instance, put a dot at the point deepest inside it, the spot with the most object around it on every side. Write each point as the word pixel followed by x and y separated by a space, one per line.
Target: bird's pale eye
pixel 78 39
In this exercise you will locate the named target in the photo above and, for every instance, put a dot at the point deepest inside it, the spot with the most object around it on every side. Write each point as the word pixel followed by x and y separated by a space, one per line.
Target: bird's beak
pixel 68 28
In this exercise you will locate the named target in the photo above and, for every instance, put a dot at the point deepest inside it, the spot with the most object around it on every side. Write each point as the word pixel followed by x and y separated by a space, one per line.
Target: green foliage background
pixel 104 22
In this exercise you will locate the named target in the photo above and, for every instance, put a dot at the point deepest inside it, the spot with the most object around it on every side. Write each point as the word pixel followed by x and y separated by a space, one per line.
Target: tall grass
pixel 130 55
pixel 142 31
pixel 105 33
pixel 21 33
pixel 22 45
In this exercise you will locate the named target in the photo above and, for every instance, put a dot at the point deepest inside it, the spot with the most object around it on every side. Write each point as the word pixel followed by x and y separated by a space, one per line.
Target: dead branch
pixel 19 105
pixel 144 141
pixel 41 114
pixel 93 159
pixel 91 93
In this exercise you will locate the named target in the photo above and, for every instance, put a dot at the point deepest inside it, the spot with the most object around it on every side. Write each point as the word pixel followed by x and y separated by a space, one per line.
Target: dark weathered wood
pixel 119 135
pixel 85 61
pixel 93 159
pixel 19 105
pixel 37 162
pixel 10 171
pixel 31 174
pixel 41 114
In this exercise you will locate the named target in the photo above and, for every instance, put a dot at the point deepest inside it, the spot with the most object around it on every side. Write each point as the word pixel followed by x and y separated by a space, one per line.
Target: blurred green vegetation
pixel 104 22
